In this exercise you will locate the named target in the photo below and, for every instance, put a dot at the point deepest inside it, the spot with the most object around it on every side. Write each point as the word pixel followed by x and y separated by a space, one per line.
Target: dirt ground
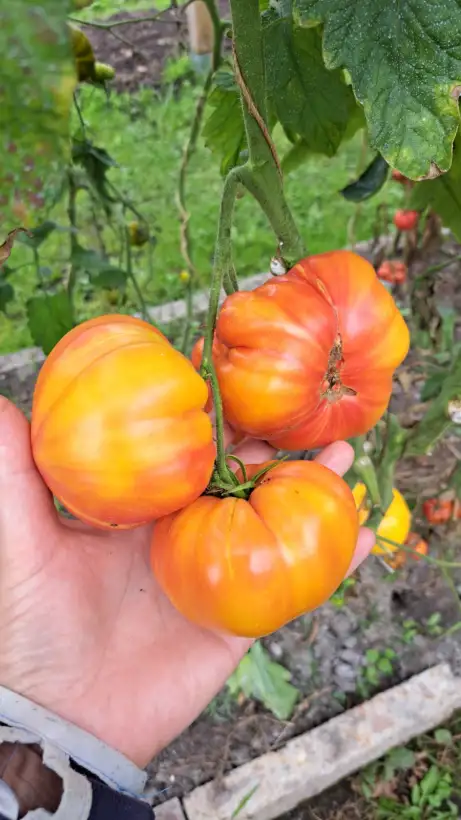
pixel 145 47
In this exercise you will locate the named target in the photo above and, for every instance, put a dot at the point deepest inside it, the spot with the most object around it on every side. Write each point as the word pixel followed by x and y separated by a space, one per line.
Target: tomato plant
pixel 248 566
pixel 118 428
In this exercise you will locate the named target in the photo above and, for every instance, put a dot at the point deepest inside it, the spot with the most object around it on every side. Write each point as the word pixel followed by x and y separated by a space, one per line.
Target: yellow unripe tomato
pixel 83 54
pixel 103 72
pixel 138 233
pixel 395 525
pixel 184 276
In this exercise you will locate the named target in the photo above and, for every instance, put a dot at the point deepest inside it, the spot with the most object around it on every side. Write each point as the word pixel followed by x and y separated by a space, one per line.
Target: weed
pixel 378 664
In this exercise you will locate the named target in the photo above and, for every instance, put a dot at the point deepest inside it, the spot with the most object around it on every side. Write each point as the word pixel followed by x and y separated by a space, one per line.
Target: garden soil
pixel 145 48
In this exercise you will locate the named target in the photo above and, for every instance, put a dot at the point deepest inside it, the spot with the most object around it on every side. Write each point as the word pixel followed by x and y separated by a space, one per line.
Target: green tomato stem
pixel 225 474
pixel 222 259
pixel 364 468
pixel 429 558
pixel 263 176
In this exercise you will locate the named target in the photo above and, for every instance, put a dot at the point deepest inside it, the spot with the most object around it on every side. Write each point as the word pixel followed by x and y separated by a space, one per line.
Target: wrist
pixel 87 751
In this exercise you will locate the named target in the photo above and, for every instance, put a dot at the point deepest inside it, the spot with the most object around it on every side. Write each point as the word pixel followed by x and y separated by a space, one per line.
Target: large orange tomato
pixel 119 432
pixel 247 567
pixel 307 358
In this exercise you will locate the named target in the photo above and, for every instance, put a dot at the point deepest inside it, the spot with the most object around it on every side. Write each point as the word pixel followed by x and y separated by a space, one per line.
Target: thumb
pixel 25 502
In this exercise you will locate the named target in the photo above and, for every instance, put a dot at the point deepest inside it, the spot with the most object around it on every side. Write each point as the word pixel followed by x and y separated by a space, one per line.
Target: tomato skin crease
pixel 307 358
pixel 119 431
pixel 249 567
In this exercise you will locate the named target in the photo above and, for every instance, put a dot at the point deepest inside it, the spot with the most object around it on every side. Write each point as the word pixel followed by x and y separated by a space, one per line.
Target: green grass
pixel 145 134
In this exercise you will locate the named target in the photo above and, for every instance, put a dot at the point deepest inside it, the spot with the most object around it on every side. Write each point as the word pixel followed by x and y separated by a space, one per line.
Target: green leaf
pixel 416 795
pixel 405 65
pixel 257 676
pixel 430 780
pixel 432 386
pixel 369 183
pixel 384 665
pixel 436 421
pixel 244 801
pixel 224 130
pixel 110 278
pixel 455 480
pixel 443 194
pixel 96 162
pixel 401 758
pixel 443 736
pixel 34 238
pixel 297 155
pixel 371 675
pixel 102 273
pixel 371 655
pixel 6 294
pixel 50 317
pixel 310 101
pixel 37 79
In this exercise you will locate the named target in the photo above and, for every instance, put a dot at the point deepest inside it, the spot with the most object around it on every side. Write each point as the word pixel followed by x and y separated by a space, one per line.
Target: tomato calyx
pixel 332 389
pixel 241 488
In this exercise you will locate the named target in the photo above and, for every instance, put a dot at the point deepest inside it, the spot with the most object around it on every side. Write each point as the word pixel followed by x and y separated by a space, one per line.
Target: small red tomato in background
pixel 247 567
pixel 119 431
pixel 393 271
pixel 418 544
pixel 437 510
pixel 307 358
pixel 406 220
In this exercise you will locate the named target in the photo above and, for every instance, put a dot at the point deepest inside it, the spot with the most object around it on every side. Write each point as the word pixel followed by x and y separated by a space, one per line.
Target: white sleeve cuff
pixel 111 766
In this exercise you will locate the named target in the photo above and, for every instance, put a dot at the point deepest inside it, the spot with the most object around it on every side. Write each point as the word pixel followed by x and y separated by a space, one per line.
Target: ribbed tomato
pixel 307 358
pixel 247 567
pixel 119 432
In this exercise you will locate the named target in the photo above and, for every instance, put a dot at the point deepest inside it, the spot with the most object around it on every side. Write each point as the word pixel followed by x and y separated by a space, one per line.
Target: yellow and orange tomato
pixel 247 567
pixel 119 430
pixel 307 358
pixel 395 524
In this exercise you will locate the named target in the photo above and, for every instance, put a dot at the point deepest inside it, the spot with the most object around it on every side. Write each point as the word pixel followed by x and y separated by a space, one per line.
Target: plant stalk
pixel 264 179
pixel 222 264
pixel 72 216
pixel 189 150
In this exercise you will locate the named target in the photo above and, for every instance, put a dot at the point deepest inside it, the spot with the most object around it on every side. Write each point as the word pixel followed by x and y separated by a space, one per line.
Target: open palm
pixel 84 628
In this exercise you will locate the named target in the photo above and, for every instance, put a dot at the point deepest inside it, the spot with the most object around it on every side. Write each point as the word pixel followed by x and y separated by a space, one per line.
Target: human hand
pixel 85 630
